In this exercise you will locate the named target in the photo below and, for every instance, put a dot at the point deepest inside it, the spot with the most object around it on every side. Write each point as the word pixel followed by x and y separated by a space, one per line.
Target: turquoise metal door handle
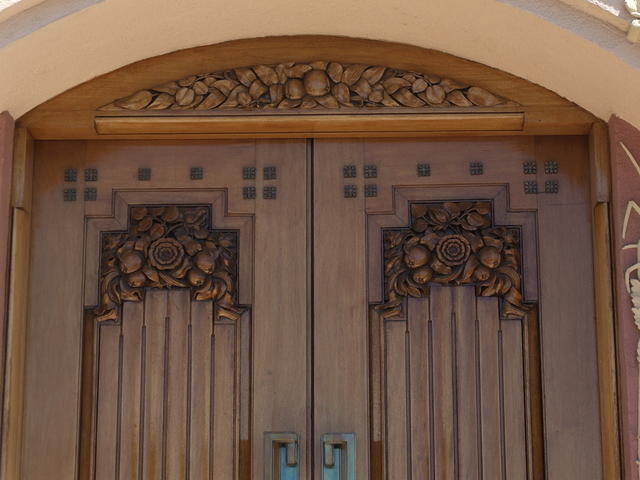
pixel 339 456
pixel 281 456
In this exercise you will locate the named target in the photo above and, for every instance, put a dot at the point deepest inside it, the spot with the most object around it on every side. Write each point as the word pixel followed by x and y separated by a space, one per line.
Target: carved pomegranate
pixel 481 274
pixel 422 275
pixel 196 277
pixel 417 256
pixel 130 261
pixel 316 83
pixel 489 257
pixel 294 89
pixel 136 279
pixel 206 260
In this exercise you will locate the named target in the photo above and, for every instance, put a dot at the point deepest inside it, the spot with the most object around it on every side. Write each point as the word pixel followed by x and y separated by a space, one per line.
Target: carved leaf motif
pixel 168 247
pixel 452 243
pixel 317 84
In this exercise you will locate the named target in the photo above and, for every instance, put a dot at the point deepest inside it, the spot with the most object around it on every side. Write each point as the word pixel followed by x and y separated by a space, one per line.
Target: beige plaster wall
pixel 546 41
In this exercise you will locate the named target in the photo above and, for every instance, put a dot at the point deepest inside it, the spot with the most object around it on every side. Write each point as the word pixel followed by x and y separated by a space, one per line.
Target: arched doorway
pixel 347 254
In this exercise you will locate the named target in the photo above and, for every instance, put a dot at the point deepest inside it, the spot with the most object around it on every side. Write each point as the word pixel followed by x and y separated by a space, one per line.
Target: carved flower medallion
pixel 165 253
pixel 453 250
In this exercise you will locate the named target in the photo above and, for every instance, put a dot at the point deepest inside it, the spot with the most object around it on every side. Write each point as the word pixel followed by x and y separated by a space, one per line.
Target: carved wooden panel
pixel 167 349
pixel 168 246
pixel 451 343
pixel 453 243
pixel 320 84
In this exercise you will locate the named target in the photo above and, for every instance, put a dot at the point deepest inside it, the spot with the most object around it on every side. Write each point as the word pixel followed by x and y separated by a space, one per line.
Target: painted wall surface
pixel 546 41
pixel 6 159
pixel 625 162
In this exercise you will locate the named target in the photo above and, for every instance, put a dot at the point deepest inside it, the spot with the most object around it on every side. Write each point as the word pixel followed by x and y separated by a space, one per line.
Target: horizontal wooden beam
pixel 310 125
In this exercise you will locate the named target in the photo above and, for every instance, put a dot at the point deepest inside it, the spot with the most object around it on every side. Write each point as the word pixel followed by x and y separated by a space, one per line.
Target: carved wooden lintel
pixel 319 85
pixel 168 247
pixel 452 243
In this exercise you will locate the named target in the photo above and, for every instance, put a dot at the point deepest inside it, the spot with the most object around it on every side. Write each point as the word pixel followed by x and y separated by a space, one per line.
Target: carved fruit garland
pixel 306 86
pixel 168 247
pixel 452 243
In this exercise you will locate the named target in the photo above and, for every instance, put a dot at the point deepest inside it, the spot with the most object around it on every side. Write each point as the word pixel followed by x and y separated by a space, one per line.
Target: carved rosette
pixel 314 85
pixel 168 247
pixel 452 243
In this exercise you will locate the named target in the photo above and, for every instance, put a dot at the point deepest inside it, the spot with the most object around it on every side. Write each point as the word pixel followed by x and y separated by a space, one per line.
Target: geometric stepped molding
pixel 452 243
pixel 314 85
pixel 168 246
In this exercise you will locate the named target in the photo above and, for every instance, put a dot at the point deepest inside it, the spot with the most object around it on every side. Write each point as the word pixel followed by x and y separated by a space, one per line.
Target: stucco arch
pixel 562 49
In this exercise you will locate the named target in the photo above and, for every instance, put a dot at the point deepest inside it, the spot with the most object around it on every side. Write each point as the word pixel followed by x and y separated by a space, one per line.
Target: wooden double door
pixel 284 309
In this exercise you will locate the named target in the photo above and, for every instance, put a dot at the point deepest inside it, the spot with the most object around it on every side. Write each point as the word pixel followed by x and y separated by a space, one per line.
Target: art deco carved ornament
pixel 168 247
pixel 453 243
pixel 314 85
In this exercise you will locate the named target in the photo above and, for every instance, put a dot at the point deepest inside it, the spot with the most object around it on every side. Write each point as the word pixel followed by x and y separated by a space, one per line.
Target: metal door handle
pixel 339 456
pixel 281 456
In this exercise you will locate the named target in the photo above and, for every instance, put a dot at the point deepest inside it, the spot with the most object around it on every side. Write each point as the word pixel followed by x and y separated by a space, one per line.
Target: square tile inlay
pixel 90 194
pixel 370 171
pixel 70 175
pixel 476 168
pixel 423 170
pixel 248 193
pixel 248 173
pixel 350 191
pixel 270 173
pixel 551 186
pixel 371 190
pixel 349 171
pixel 530 187
pixel 269 192
pixel 144 174
pixel 529 168
pixel 69 194
pixel 550 167
pixel 196 173
pixel 90 174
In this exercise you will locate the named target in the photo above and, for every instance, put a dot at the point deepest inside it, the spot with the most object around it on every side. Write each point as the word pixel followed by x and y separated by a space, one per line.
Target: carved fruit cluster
pixel 168 247
pixel 307 85
pixel 453 243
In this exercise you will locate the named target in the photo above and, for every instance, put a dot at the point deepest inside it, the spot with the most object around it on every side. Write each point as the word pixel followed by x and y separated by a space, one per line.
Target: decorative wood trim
pixel 317 84
pixel 18 306
pixel 72 114
pixel 605 319
pixel 168 246
pixel 292 126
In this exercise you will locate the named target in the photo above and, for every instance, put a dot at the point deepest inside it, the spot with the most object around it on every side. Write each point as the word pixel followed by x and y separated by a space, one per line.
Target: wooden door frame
pixel 74 115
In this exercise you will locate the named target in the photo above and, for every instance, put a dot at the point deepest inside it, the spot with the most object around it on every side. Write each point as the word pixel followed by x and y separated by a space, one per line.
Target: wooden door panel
pixel 281 306
pixel 454 377
pixel 53 342
pixel 168 382
pixel 451 409
pixel 149 372
pixel 340 309
pixel 437 378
